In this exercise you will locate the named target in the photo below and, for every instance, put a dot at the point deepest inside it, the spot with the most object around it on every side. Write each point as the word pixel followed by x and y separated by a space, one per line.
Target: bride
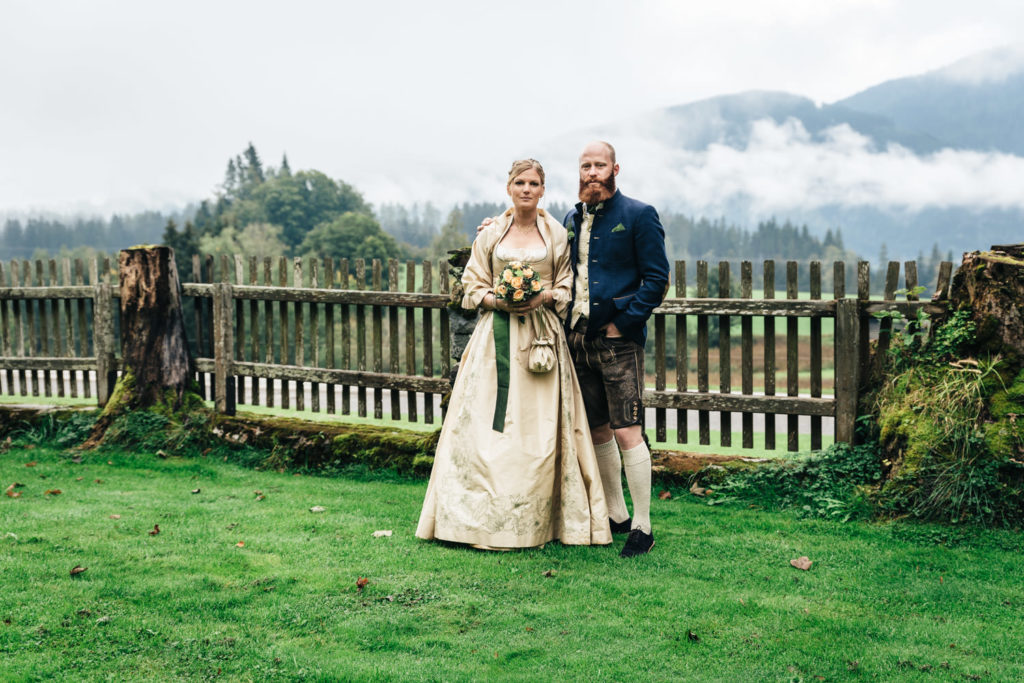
pixel 515 466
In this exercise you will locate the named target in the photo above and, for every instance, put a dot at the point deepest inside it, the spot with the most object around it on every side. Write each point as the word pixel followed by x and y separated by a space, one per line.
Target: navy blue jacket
pixel 628 266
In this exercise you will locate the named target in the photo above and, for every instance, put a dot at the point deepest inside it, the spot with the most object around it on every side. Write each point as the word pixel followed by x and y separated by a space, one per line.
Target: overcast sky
pixel 117 105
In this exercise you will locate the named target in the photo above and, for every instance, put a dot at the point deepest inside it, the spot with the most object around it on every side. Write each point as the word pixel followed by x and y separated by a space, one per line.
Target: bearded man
pixel 620 275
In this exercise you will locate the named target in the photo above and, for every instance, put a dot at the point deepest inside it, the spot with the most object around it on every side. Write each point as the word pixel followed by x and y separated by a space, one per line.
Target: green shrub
pixel 828 484
pixel 949 430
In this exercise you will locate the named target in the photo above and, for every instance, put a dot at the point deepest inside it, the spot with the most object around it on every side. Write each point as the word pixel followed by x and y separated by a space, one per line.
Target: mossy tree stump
pixel 156 367
pixel 991 284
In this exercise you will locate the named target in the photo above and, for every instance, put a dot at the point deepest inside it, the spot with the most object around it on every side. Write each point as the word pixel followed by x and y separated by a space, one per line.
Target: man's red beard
pixel 592 194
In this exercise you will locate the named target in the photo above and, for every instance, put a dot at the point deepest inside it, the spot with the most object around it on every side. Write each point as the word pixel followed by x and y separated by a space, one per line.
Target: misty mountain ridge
pixel 934 158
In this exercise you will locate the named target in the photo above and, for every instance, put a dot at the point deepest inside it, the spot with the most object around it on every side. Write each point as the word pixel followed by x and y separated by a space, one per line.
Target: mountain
pixel 975 103
pixel 727 120
pixel 933 158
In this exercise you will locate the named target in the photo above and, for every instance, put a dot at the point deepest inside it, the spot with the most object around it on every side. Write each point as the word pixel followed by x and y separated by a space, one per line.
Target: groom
pixel 620 275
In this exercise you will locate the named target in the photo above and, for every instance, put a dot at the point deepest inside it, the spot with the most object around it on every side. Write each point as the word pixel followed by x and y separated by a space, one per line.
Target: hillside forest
pixel 273 211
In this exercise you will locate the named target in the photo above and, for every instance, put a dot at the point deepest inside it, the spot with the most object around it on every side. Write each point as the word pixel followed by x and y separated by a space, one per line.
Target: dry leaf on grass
pixel 361 584
pixel 77 569
pixel 195 491
pixel 240 544
pixel 30 464
pixel 115 516
pixel 53 492
pixel 698 490
pixel 155 530
pixel 802 563
pixel 664 495
pixel 382 532
pixel 318 508
pixel 550 573
pixel 693 636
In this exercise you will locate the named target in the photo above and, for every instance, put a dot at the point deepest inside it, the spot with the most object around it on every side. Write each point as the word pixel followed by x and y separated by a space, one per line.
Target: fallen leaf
pixel 742 601
pixel 98 481
pixel 852 666
pixel 77 460
pixel 115 516
pixel 77 569
pixel 693 636
pixel 258 493
pixel 195 491
pixel 260 497
pixel 550 573
pixel 318 508
pixel 155 530
pixel 664 495
pixel 52 492
pixel 30 464
pixel 79 478
pixel 240 544
pixel 161 454
pixel 382 532
pixel 11 493
pixel 698 490
pixel 940 579
pixel 84 613
pixel 361 584
pixel 103 620
pixel 802 563
pixel 529 629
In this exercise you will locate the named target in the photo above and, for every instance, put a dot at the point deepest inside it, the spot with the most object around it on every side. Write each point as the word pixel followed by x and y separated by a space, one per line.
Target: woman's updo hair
pixel 525 165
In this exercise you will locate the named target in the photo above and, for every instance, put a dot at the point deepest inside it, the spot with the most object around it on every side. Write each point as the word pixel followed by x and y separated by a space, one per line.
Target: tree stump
pixel 156 367
pixel 991 284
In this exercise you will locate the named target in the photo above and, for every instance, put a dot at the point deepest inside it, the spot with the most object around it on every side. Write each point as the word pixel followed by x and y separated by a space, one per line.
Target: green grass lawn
pixel 244 582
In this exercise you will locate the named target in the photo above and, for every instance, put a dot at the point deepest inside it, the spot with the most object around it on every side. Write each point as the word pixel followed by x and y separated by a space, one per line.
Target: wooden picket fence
pixel 332 336
pixel 261 342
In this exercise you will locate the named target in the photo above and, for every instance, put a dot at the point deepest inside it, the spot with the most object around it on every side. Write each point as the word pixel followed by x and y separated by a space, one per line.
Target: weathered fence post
pixel 847 364
pixel 223 349
pixel 103 342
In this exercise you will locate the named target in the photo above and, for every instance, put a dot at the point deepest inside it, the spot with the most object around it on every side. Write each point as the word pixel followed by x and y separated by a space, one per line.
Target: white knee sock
pixel 637 462
pixel 610 466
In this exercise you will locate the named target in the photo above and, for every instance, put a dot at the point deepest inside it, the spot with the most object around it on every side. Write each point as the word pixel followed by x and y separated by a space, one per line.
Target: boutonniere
pixel 571 235
pixel 568 227
pixel 619 228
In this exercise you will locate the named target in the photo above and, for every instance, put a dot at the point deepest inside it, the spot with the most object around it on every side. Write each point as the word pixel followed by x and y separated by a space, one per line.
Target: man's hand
pixel 483 224
pixel 611 331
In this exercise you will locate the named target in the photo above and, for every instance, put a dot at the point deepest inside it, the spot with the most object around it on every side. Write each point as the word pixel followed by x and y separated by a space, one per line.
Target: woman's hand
pixel 532 303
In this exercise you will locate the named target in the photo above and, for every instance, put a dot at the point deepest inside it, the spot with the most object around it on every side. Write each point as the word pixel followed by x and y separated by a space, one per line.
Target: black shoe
pixel 620 527
pixel 638 543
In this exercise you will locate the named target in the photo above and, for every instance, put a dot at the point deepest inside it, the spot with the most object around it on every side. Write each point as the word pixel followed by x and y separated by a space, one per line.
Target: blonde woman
pixel 515 465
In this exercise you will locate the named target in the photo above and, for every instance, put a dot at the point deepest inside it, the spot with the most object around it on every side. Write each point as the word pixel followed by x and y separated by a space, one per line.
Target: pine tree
pixel 286 170
pixel 255 166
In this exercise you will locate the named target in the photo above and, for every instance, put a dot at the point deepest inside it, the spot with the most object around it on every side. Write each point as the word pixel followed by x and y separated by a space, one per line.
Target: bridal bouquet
pixel 517 283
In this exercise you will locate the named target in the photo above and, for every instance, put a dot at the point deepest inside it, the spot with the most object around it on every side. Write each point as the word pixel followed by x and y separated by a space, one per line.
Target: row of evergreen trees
pixel 274 211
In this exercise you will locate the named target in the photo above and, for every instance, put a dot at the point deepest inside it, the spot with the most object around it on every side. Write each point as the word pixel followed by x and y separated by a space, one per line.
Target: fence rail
pixel 354 336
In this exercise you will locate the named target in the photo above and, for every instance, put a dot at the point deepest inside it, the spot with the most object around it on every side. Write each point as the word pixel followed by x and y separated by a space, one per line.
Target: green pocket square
pixel 619 228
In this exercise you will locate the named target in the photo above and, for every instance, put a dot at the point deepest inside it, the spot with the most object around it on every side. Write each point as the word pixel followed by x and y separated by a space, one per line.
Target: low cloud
pixel 782 168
